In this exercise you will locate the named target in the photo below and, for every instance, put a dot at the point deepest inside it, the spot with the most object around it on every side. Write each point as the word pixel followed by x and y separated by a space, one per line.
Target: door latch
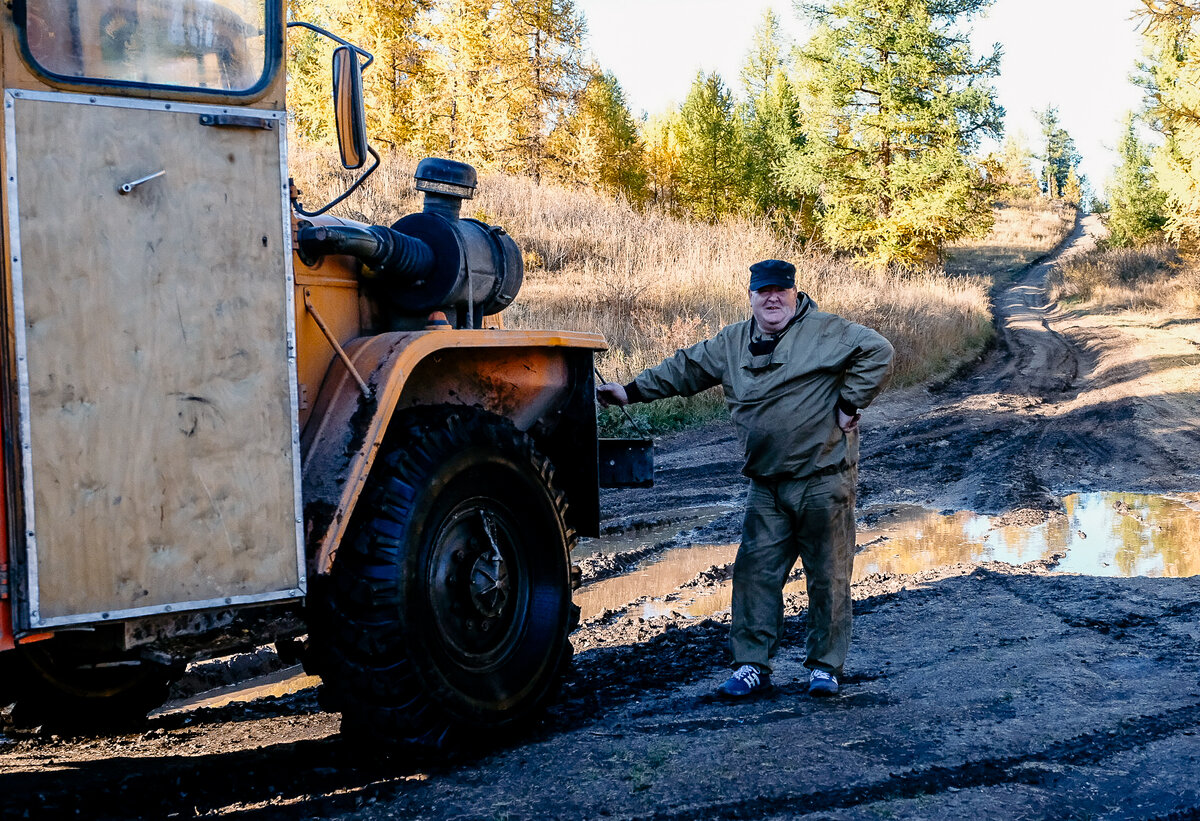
pixel 236 121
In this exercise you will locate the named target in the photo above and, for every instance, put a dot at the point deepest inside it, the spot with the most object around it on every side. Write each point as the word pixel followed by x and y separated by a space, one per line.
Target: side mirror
pixel 349 113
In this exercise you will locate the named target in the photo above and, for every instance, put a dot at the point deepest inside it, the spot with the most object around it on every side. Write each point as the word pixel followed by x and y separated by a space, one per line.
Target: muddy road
pixel 1027 633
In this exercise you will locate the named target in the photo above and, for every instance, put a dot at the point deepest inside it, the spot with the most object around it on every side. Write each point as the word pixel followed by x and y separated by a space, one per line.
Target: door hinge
pixel 3 581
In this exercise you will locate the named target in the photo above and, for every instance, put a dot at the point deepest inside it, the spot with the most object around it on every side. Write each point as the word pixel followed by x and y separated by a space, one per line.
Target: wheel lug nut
pixel 487 625
pixel 459 555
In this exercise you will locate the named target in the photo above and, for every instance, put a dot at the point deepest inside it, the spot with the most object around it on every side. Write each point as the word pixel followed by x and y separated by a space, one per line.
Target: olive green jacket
pixel 783 403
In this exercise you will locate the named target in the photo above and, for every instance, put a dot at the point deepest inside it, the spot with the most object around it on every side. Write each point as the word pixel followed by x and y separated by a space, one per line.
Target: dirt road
pixel 974 689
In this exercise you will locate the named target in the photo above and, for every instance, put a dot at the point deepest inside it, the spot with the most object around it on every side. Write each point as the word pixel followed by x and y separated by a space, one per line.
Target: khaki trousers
pixel 810 519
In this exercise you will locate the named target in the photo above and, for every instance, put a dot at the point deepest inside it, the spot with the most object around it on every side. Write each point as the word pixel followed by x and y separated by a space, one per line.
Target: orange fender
pixel 530 377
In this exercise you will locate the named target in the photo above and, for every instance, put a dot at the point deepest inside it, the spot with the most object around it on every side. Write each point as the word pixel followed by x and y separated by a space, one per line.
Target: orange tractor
pixel 228 420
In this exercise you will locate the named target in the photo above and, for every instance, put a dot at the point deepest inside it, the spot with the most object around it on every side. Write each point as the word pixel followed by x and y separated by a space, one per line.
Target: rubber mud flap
pixel 626 463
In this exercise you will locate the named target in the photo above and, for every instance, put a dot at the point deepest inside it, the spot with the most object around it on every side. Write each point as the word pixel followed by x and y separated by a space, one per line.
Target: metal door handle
pixel 236 121
pixel 129 186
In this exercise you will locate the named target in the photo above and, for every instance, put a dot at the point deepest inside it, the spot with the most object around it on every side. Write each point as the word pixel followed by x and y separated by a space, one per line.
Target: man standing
pixel 795 379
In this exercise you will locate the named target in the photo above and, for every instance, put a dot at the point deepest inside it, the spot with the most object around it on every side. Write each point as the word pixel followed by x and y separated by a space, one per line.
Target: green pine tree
pixel 1171 78
pixel 598 144
pixel 1137 206
pixel 1060 159
pixel 899 104
pixel 710 150
pixel 772 129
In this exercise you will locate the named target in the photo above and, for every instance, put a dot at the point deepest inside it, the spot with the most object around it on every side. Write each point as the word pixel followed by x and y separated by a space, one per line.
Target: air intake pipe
pixel 432 261
pixel 384 251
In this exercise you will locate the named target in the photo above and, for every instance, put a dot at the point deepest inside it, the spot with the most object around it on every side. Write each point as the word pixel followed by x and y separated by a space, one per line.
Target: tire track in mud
pixel 795 693
pixel 1115 626
pixel 316 777
pixel 1188 814
pixel 1034 768
pixel 1008 434
pixel 1035 360
pixel 659 656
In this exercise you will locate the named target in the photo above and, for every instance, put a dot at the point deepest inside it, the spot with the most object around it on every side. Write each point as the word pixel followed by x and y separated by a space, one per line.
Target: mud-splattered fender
pixel 541 380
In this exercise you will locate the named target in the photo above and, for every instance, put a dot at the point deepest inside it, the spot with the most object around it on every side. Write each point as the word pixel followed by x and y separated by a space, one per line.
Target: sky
pixel 1074 54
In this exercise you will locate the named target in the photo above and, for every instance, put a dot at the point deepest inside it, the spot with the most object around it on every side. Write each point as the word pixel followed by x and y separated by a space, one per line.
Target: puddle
pixel 657 577
pixel 1103 534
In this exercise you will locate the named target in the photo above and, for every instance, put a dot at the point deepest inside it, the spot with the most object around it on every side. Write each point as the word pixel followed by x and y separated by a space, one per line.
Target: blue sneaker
pixel 746 681
pixel 822 683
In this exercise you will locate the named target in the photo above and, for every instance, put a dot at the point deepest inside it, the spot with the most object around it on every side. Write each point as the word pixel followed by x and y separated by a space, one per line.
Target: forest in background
pixel 862 140
pixel 855 154
pixel 1151 202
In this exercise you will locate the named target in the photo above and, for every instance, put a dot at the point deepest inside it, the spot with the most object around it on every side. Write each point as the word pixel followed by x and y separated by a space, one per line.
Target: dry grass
pixel 1150 278
pixel 1025 229
pixel 653 283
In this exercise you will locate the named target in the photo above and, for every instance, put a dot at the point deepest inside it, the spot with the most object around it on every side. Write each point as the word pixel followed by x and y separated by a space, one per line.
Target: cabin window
pixel 217 46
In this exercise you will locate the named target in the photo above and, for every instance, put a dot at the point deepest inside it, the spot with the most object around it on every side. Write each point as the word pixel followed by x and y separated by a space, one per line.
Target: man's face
pixel 773 307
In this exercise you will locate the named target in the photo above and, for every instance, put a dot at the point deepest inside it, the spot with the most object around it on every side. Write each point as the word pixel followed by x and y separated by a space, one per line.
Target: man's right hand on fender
pixel 610 393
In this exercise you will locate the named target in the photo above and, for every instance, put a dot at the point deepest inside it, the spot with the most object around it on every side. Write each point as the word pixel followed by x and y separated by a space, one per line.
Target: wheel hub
pixel 489 585
pixel 472 589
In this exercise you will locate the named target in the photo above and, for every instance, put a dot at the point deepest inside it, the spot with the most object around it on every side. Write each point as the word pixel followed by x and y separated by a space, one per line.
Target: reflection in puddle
pixel 1103 534
pixel 657 577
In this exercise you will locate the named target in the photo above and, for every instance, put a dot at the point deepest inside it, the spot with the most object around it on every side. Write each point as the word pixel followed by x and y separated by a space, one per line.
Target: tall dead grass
pixel 652 283
pixel 1150 278
pixel 1025 228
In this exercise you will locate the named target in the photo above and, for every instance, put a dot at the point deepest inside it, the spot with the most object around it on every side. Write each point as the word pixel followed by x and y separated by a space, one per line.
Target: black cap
pixel 772 272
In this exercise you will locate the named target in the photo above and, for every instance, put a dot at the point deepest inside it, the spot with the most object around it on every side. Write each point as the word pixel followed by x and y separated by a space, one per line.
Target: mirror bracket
pixel 362 177
pixel 349 116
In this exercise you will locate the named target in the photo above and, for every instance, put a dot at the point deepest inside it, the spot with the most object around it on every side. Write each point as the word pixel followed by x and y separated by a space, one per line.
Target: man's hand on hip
pixel 847 422
pixel 610 393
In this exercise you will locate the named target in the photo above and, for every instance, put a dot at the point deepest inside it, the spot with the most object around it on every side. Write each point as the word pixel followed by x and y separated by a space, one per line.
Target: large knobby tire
pixel 450 599
pixel 63 687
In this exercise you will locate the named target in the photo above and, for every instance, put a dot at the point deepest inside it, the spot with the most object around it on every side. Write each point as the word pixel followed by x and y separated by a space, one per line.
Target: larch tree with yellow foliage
pixel 664 163
pixel 387 29
pixel 540 50
pixel 462 98
pixel 1171 78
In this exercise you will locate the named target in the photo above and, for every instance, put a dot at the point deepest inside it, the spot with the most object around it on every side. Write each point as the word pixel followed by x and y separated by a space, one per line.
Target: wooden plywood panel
pixel 160 418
